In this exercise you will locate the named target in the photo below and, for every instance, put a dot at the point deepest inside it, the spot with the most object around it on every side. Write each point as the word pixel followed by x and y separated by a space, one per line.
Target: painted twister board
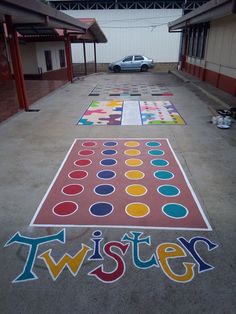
pixel 121 183
pixel 131 112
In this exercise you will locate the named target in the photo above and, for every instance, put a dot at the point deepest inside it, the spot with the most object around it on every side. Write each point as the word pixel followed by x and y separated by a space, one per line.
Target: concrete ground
pixel 33 145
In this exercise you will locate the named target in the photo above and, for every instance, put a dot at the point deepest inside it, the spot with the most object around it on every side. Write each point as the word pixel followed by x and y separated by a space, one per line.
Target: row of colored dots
pixel 134 210
pixel 127 143
pixel 130 174
pixel 128 152
pixel 133 190
pixel 131 162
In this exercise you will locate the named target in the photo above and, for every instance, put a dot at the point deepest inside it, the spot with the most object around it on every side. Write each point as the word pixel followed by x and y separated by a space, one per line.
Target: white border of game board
pixel 123 226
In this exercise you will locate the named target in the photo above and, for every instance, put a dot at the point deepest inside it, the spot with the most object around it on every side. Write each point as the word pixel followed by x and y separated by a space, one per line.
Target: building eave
pixel 28 12
pixel 207 12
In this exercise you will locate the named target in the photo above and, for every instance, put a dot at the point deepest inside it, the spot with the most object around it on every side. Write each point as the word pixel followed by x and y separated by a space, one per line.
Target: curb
pixel 221 102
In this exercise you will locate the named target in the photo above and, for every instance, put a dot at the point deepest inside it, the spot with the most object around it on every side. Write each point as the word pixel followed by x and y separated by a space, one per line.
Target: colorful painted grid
pixel 131 112
pixel 121 183
pixel 103 113
pixel 159 112
pixel 124 90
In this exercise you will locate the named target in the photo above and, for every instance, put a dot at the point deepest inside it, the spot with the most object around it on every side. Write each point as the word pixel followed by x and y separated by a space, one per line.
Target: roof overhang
pixel 28 14
pixel 209 11
pixel 93 33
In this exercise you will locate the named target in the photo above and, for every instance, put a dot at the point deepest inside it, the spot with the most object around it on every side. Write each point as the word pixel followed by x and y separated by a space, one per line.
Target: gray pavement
pixel 33 146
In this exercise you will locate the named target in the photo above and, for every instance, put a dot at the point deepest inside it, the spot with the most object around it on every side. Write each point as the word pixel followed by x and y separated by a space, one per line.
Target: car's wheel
pixel 144 68
pixel 116 69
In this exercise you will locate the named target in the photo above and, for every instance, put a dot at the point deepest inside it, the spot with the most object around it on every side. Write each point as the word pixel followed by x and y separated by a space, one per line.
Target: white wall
pixel 131 32
pixel 28 57
pixel 54 47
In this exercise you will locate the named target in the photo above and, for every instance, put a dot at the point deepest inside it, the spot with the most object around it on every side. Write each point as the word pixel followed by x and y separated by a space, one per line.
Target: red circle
pixel 86 152
pixel 65 208
pixel 83 162
pixel 78 174
pixel 89 144
pixel 73 189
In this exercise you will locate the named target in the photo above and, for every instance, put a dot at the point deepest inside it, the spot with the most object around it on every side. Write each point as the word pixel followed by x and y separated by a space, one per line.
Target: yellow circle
pixel 137 210
pixel 132 144
pixel 132 152
pixel 134 174
pixel 136 190
pixel 132 162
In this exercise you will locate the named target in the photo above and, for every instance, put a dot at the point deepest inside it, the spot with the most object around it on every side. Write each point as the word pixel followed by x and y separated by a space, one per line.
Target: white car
pixel 130 63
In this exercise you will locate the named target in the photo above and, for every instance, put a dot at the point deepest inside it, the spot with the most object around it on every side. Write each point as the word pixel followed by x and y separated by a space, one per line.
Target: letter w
pixel 72 263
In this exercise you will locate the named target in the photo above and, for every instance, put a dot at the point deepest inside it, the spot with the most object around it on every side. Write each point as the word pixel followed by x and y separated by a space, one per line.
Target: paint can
pixel 227 121
pixel 220 120
pixel 214 120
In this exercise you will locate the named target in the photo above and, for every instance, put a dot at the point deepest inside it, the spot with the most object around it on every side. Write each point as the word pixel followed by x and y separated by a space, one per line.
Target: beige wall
pixel 29 58
pixel 221 46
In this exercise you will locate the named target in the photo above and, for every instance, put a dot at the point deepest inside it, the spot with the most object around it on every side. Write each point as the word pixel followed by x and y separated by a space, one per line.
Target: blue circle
pixel 168 190
pixel 101 209
pixel 108 162
pixel 109 152
pixel 163 175
pixel 176 211
pixel 153 144
pixel 159 162
pixel 104 189
pixel 106 174
pixel 97 233
pixel 110 144
pixel 156 152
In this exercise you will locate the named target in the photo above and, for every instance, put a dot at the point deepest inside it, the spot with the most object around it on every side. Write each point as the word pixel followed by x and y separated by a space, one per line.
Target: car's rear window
pixel 138 58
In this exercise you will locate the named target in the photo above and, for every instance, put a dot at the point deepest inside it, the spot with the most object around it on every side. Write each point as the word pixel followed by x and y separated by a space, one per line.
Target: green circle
pixel 163 175
pixel 168 190
pixel 153 144
pixel 159 162
pixel 156 152
pixel 176 211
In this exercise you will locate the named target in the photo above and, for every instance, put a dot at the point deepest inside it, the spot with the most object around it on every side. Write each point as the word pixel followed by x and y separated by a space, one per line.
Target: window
pixel 130 58
pixel 138 58
pixel 197 41
pixel 203 44
pixel 62 58
pixel 190 52
pixel 48 59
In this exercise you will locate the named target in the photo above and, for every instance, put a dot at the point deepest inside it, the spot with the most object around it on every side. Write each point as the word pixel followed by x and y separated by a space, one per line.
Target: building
pixel 209 43
pixel 131 27
pixel 35 44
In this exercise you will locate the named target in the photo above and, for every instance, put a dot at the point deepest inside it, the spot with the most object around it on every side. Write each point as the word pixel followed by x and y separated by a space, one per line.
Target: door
pixel 127 62
pixel 137 62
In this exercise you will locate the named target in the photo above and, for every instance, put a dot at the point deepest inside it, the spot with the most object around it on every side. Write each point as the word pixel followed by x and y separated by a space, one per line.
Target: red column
pixel 95 57
pixel 85 61
pixel 17 64
pixel 68 58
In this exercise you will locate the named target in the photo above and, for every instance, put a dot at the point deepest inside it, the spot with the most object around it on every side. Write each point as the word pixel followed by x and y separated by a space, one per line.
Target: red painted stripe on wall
pixel 226 83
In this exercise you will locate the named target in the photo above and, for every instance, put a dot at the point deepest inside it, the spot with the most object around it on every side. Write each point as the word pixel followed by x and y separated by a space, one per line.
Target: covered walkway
pixel 28 32
pixel 35 89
